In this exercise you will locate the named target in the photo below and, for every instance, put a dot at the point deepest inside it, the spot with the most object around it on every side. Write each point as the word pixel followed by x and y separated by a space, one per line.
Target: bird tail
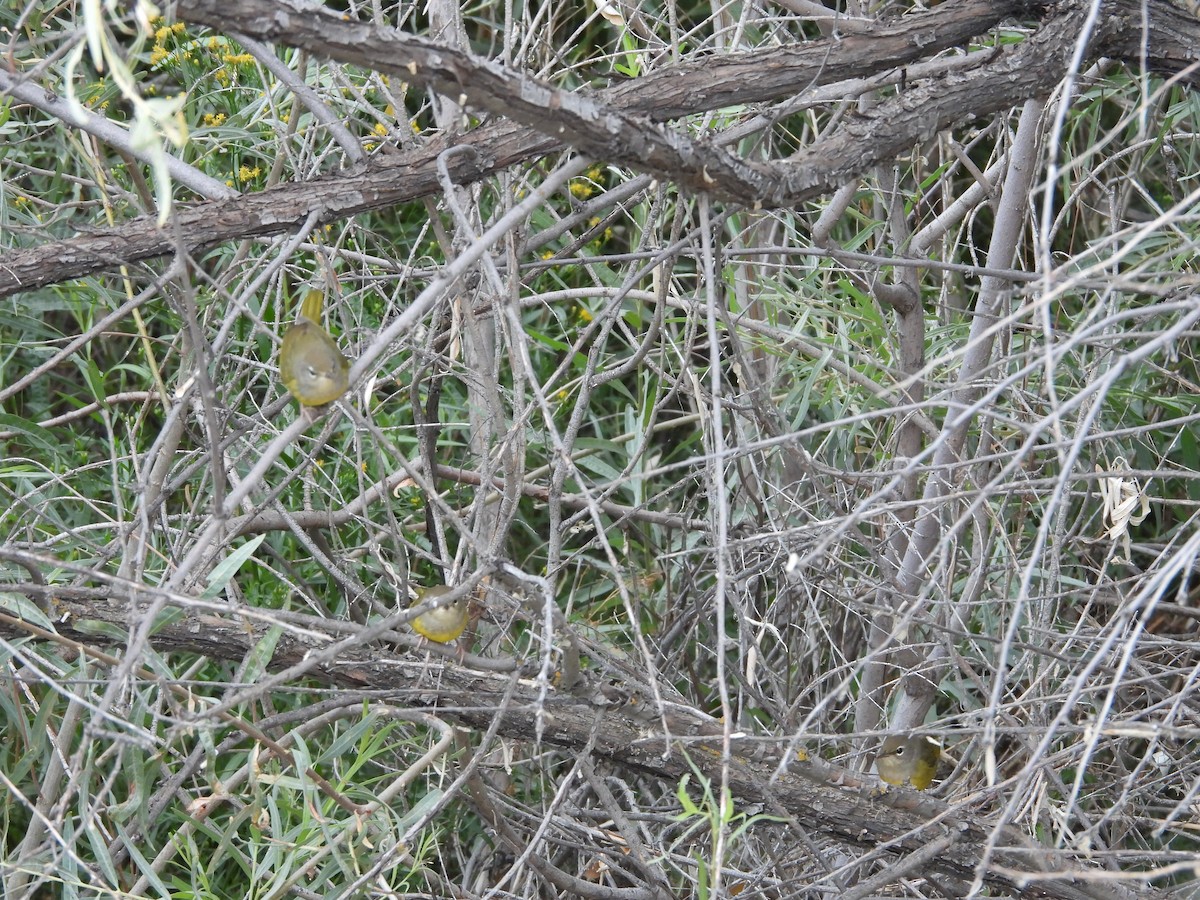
pixel 311 306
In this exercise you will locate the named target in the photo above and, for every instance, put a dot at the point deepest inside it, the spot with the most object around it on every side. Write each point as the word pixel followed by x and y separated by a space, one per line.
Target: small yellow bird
pixel 443 623
pixel 912 759
pixel 310 364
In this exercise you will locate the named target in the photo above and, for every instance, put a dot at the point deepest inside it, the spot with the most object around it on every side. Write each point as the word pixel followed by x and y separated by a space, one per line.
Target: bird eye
pixel 899 751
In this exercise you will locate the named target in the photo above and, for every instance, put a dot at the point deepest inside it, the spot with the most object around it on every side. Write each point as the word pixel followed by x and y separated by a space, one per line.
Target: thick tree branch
pixel 838 803
pixel 617 124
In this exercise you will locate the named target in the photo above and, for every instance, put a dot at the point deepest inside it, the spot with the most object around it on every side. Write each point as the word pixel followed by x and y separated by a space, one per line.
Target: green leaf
pixel 228 567
pixel 22 607
pixel 39 436
pixel 262 653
